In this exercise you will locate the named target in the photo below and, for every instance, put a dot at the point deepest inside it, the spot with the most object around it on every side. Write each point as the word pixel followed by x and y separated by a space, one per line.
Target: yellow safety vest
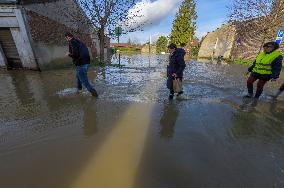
pixel 264 61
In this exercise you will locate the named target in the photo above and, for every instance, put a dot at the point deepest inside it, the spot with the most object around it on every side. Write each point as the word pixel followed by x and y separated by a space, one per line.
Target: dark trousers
pixel 82 78
pixel 260 85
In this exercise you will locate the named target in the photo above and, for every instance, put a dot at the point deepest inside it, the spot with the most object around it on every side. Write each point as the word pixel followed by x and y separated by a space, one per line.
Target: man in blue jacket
pixel 175 68
pixel 79 52
pixel 267 66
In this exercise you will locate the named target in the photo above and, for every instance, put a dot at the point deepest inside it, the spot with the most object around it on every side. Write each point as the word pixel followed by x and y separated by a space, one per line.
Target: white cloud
pixel 151 13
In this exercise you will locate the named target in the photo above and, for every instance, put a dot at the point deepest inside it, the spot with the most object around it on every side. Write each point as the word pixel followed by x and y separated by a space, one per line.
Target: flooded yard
pixel 132 136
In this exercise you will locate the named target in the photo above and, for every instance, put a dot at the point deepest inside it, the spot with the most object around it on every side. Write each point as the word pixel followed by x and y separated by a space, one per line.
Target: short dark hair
pixel 68 34
pixel 172 46
pixel 275 45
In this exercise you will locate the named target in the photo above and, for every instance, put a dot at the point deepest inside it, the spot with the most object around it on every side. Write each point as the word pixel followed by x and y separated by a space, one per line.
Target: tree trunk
pixel 102 45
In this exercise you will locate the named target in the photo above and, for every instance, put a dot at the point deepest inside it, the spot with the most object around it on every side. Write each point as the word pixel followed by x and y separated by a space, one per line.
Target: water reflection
pixel 90 120
pixel 168 120
pixel 259 123
pixel 248 104
pixel 23 95
pixel 22 90
pixel 244 124
pixel 277 110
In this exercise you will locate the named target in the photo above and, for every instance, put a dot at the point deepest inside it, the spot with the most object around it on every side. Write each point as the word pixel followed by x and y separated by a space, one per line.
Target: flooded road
pixel 132 136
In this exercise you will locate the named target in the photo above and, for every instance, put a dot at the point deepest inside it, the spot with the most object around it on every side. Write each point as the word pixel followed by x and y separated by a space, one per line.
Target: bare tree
pixel 260 18
pixel 105 15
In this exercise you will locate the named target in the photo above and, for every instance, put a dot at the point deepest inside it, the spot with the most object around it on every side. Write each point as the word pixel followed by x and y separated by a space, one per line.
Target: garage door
pixel 9 49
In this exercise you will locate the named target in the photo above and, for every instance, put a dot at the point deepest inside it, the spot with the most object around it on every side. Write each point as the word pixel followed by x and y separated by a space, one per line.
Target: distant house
pixel 146 49
pixel 32 31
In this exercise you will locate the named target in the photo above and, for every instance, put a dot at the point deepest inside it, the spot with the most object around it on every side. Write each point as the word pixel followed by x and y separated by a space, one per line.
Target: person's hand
pixel 273 79
pixel 174 75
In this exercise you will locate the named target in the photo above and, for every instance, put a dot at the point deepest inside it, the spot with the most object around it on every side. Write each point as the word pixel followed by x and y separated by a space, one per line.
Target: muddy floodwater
pixel 132 136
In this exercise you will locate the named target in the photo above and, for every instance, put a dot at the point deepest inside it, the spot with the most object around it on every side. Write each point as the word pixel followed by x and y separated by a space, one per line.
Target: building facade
pixel 32 32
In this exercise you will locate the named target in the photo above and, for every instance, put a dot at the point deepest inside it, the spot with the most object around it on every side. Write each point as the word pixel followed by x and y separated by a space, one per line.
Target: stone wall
pixel 248 46
pixel 251 42
pixel 220 41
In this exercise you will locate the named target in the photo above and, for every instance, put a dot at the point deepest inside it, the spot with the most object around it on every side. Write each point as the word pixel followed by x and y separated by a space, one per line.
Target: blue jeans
pixel 82 77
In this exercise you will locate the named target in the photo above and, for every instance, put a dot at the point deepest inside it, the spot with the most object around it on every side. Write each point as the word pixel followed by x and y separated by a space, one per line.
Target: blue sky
pixel 211 14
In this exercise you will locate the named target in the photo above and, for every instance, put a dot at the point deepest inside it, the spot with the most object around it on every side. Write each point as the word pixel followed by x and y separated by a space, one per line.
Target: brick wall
pixel 47 31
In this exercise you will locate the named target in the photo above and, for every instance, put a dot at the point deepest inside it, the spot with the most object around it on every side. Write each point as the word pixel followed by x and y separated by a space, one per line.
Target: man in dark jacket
pixel 79 52
pixel 175 68
pixel 267 66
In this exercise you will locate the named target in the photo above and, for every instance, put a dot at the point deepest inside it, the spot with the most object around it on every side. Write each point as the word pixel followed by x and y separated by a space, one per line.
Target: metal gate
pixel 10 49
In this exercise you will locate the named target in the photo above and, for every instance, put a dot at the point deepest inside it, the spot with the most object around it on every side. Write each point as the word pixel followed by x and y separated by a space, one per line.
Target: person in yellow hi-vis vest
pixel 267 66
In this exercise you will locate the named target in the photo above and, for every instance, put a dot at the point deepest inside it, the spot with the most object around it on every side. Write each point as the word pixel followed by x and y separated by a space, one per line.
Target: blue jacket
pixel 276 68
pixel 79 52
pixel 177 63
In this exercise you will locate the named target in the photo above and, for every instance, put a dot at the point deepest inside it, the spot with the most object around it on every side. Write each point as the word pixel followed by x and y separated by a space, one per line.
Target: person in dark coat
pixel 267 66
pixel 79 52
pixel 175 68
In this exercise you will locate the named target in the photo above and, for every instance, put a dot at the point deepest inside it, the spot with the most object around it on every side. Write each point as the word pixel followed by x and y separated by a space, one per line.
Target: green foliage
pixel 194 51
pixel 162 44
pixel 118 31
pixel 129 49
pixel 184 25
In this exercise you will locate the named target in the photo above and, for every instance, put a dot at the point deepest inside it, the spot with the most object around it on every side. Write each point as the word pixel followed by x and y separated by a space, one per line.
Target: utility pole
pixel 150 41
pixel 118 32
